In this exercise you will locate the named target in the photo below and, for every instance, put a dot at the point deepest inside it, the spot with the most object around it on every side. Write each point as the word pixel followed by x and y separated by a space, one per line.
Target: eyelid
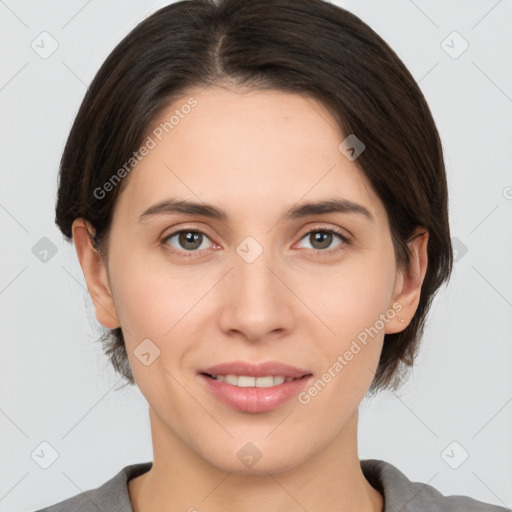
pixel 173 230
pixel 342 233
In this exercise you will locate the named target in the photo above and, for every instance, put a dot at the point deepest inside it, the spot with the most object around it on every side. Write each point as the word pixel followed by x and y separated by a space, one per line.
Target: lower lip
pixel 255 399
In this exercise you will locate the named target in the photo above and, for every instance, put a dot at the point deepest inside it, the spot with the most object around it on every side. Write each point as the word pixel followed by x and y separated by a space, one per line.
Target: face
pixel 257 285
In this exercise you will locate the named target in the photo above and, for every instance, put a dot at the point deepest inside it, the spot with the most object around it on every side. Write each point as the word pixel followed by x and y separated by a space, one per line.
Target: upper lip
pixel 273 368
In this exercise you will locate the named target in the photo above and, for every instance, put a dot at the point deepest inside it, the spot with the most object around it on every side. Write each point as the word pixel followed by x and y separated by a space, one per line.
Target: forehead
pixel 246 150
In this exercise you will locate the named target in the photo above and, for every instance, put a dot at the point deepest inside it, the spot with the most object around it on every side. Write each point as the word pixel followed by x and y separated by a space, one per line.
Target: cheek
pixel 148 301
pixel 149 306
pixel 156 300
pixel 162 303
pixel 139 300
pixel 354 307
pixel 350 297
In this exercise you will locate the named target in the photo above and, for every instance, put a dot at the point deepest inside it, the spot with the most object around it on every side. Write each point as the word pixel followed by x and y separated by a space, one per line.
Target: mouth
pixel 248 381
pixel 248 375
pixel 254 388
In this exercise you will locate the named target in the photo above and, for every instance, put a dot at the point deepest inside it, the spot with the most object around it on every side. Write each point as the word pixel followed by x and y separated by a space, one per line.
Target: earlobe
pixel 408 284
pixel 95 273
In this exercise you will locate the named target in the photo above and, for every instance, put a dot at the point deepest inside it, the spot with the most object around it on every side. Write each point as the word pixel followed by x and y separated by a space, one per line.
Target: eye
pixel 321 238
pixel 186 240
pixel 193 241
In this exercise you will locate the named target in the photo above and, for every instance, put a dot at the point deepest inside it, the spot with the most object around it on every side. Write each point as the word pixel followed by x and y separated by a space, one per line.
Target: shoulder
pixel 112 495
pixel 402 494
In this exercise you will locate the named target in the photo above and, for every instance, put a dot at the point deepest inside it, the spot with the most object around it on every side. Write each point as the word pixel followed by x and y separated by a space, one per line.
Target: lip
pixel 273 368
pixel 254 399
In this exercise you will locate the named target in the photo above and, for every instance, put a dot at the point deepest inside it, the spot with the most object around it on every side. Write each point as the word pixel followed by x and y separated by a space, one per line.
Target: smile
pixel 246 381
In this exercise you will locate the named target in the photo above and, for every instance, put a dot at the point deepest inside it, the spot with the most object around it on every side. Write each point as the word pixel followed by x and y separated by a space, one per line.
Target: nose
pixel 258 302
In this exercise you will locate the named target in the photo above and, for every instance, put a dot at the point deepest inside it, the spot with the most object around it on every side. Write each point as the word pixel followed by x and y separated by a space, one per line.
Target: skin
pixel 254 154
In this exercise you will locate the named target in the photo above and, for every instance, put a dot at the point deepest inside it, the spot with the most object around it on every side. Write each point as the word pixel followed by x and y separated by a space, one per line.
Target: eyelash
pixel 317 229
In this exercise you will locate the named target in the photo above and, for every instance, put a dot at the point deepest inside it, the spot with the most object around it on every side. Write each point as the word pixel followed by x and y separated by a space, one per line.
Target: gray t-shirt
pixel 400 494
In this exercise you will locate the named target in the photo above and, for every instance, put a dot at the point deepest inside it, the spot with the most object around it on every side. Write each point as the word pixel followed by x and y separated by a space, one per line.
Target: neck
pixel 180 479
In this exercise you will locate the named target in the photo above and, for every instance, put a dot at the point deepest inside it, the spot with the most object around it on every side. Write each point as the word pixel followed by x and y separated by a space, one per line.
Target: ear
pixel 408 284
pixel 95 274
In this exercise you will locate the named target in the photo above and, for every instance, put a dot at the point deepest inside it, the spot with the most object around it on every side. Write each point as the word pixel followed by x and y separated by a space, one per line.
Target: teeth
pixel 245 381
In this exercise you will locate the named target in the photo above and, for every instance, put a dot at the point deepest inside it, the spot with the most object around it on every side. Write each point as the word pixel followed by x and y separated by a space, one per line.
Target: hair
pixel 308 47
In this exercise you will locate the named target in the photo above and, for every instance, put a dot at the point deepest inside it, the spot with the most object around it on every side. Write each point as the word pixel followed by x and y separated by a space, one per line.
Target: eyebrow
pixel 306 209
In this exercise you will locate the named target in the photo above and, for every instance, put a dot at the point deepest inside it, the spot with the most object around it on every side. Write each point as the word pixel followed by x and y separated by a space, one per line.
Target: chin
pixel 248 459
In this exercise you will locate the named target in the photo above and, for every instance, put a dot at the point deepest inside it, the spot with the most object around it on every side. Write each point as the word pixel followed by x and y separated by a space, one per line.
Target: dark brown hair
pixel 309 47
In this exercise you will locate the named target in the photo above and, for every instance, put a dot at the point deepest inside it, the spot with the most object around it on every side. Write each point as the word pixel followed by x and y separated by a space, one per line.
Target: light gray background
pixel 57 386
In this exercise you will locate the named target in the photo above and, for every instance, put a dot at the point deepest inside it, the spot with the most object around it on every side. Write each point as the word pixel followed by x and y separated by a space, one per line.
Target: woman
pixel 257 196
